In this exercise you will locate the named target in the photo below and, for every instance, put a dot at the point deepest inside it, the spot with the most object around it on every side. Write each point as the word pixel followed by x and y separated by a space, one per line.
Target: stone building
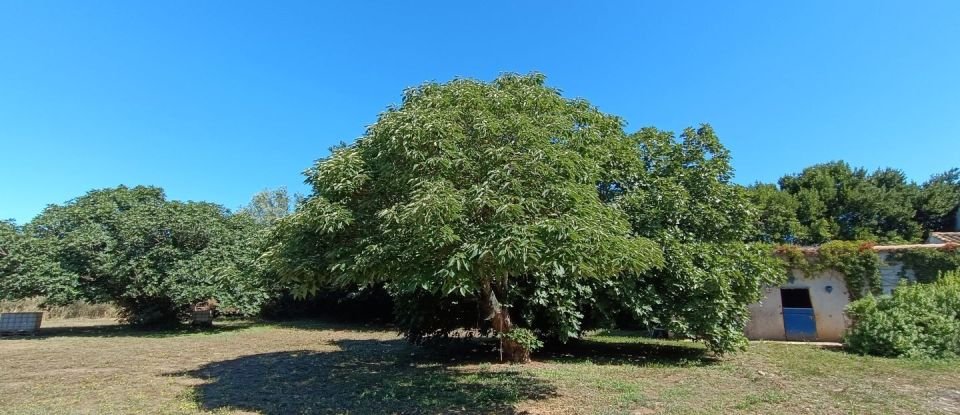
pixel 811 307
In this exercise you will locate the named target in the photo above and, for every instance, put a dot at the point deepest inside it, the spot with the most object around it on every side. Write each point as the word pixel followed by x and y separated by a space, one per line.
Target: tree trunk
pixel 499 318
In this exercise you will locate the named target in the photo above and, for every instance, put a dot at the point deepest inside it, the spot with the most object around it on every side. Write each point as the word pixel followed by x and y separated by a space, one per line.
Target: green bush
pixel 918 320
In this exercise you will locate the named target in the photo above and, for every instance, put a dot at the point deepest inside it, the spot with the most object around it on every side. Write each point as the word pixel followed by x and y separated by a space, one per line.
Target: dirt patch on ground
pixel 947 401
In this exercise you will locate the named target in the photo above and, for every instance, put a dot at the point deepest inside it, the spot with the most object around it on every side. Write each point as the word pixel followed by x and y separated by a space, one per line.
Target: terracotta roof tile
pixel 953 237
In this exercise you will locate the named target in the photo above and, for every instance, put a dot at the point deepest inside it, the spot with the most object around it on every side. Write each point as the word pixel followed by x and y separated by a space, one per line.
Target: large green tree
pixel 152 257
pixel 538 211
pixel 465 188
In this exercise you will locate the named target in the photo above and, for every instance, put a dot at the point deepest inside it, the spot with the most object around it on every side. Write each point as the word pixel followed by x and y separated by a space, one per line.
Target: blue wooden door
pixel 799 323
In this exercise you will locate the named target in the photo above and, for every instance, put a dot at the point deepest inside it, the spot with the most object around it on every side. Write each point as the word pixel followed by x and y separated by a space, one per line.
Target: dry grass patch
pixel 313 367
pixel 78 309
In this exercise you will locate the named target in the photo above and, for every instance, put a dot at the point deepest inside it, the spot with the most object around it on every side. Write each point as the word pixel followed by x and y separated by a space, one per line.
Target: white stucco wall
pixel 890 273
pixel 766 317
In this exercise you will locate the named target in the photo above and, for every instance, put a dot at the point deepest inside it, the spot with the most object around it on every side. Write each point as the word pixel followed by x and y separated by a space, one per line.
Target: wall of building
pixel 766 317
pixel 890 273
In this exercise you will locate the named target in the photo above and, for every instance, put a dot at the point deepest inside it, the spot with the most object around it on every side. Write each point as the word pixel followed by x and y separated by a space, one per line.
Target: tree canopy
pixel 938 201
pixel 506 196
pixel 268 205
pixel 680 194
pixel 150 256
pixel 833 201
pixel 26 270
pixel 462 188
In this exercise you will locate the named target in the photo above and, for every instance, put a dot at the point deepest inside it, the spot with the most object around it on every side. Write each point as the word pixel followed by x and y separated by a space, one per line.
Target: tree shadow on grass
pixel 123 330
pixel 225 326
pixel 640 352
pixel 329 324
pixel 364 376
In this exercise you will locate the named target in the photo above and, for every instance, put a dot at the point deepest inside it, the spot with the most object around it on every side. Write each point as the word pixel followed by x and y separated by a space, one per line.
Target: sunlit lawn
pixel 314 367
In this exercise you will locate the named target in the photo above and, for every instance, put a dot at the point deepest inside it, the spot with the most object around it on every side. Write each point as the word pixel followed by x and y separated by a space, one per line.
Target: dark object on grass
pixel 20 323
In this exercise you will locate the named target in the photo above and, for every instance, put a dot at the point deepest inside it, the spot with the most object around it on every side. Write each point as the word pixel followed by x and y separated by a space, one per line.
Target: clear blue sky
pixel 215 100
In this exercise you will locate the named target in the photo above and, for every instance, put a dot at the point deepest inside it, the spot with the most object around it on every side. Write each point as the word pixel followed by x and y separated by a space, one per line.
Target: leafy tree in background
pixel 11 256
pixel 153 258
pixel 777 214
pixel 884 205
pixel 464 189
pixel 27 269
pixel 682 189
pixel 269 205
pixel 938 201
pixel 831 201
pixel 679 193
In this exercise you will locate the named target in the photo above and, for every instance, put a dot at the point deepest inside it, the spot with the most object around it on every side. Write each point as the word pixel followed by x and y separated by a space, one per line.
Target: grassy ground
pixel 92 367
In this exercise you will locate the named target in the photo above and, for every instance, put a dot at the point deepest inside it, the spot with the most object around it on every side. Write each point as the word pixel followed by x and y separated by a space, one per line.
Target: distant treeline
pixel 833 201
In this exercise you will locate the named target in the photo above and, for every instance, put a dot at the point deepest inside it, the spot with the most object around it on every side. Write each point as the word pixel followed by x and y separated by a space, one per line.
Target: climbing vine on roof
pixel 794 257
pixel 928 264
pixel 856 260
